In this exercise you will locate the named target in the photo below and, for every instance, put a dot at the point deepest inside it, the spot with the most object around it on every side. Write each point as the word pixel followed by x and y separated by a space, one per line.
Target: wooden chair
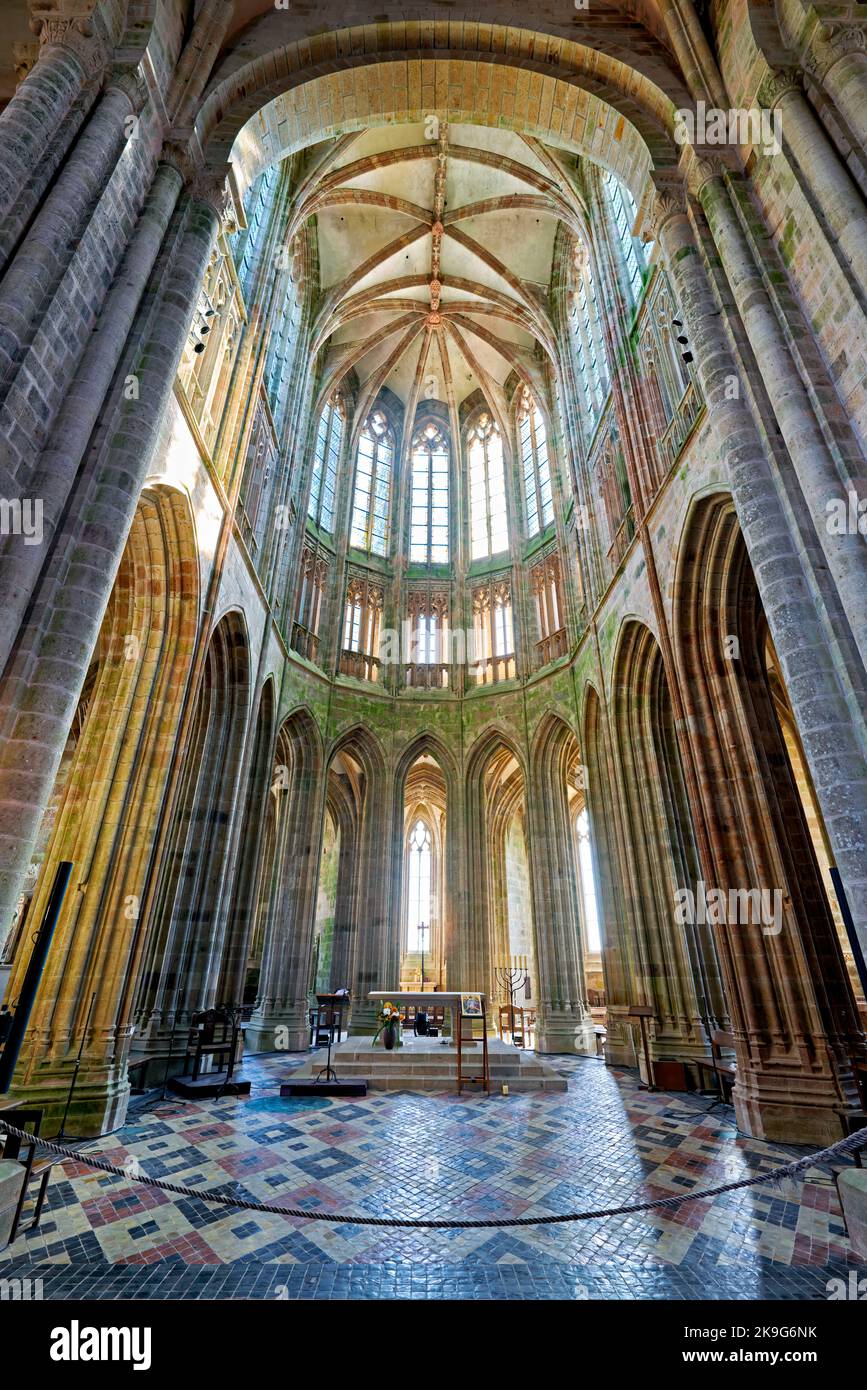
pixel 724 1072
pixel 33 1170
pixel 213 1033
pixel 511 1021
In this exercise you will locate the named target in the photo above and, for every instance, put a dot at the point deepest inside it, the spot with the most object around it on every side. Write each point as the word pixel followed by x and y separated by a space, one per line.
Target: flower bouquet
pixel 388 1019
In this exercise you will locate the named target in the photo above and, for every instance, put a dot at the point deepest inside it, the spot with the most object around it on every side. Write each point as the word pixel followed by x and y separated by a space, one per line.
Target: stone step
pixel 432 1067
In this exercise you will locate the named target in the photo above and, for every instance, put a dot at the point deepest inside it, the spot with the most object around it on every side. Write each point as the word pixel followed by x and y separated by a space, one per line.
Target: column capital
pixel 707 164
pixel 213 190
pixel 775 86
pixel 69 24
pixel 665 197
pixel 207 186
pixel 130 81
pixel 830 43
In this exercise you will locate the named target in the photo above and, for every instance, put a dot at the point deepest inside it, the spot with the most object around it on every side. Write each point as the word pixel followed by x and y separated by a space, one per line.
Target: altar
pixel 433 999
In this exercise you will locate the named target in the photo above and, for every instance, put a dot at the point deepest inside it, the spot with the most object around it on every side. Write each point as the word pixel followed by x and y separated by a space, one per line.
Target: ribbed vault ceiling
pixel 435 254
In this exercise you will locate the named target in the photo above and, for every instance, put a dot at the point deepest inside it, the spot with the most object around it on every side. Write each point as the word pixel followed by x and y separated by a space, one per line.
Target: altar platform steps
pixel 426 1064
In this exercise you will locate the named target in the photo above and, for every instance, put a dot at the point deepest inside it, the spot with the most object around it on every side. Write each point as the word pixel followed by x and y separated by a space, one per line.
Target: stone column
pixel 43 680
pixel 838 60
pixel 819 478
pixel 564 1023
pixel 831 743
pixel 55 472
pixel 377 947
pixel 35 118
pixel 824 173
pixel 36 272
pixel 279 1019
pixel 692 50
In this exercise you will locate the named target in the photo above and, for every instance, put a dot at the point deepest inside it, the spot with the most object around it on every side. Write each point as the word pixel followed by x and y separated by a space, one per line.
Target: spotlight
pixel 683 340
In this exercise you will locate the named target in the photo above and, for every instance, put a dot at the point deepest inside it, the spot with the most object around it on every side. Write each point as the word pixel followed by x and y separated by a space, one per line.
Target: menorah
pixel 510 977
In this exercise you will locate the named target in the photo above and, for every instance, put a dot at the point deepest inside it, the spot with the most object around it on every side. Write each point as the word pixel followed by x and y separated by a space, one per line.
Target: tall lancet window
pixel 326 456
pixel 624 210
pixel 535 465
pixel 587 338
pixel 588 883
pixel 429 519
pixel 419 880
pixel 489 530
pixel 372 498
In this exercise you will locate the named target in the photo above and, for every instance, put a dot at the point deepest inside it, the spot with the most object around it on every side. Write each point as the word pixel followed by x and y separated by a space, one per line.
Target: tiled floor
pixel 603 1143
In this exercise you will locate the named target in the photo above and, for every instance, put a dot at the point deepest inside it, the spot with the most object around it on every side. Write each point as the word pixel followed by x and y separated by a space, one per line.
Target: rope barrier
pixel 788 1170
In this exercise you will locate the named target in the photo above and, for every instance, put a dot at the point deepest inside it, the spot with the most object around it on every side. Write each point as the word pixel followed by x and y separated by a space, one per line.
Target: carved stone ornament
pixel 705 166
pixel 669 201
pixel 213 189
pixel 831 42
pixel 777 85
pixel 131 81
pixel 68 24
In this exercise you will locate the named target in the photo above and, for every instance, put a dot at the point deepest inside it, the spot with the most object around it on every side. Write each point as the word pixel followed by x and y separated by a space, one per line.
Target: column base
pixel 562 1030
pixel 790 1110
pixel 99 1102
pixel 278 1030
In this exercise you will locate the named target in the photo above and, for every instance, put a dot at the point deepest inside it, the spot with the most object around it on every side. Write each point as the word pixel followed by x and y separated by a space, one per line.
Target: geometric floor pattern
pixel 604 1142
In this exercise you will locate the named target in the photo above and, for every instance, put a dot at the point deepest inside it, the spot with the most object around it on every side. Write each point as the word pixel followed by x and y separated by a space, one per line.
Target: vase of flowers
pixel 388 1020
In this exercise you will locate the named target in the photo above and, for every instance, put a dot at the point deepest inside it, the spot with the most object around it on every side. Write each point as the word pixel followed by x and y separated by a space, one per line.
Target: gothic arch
pixel 678 970
pixel 107 811
pixel 191 900
pixel 786 984
pixel 449 848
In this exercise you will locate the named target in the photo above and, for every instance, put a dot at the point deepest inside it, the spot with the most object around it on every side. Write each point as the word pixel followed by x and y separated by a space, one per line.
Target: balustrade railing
pixel 551 647
pixel 492 669
pixel 680 427
pixel 427 675
pixel 305 642
pixel 359 665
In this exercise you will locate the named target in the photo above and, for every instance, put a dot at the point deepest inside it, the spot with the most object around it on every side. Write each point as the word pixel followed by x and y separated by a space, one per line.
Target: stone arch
pixel 451 849
pixel 107 814
pixel 640 91
pixel 793 1013
pixel 372 949
pixel 619 965
pixel 288 123
pixel 192 895
pixel 495 764
pixel 677 965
